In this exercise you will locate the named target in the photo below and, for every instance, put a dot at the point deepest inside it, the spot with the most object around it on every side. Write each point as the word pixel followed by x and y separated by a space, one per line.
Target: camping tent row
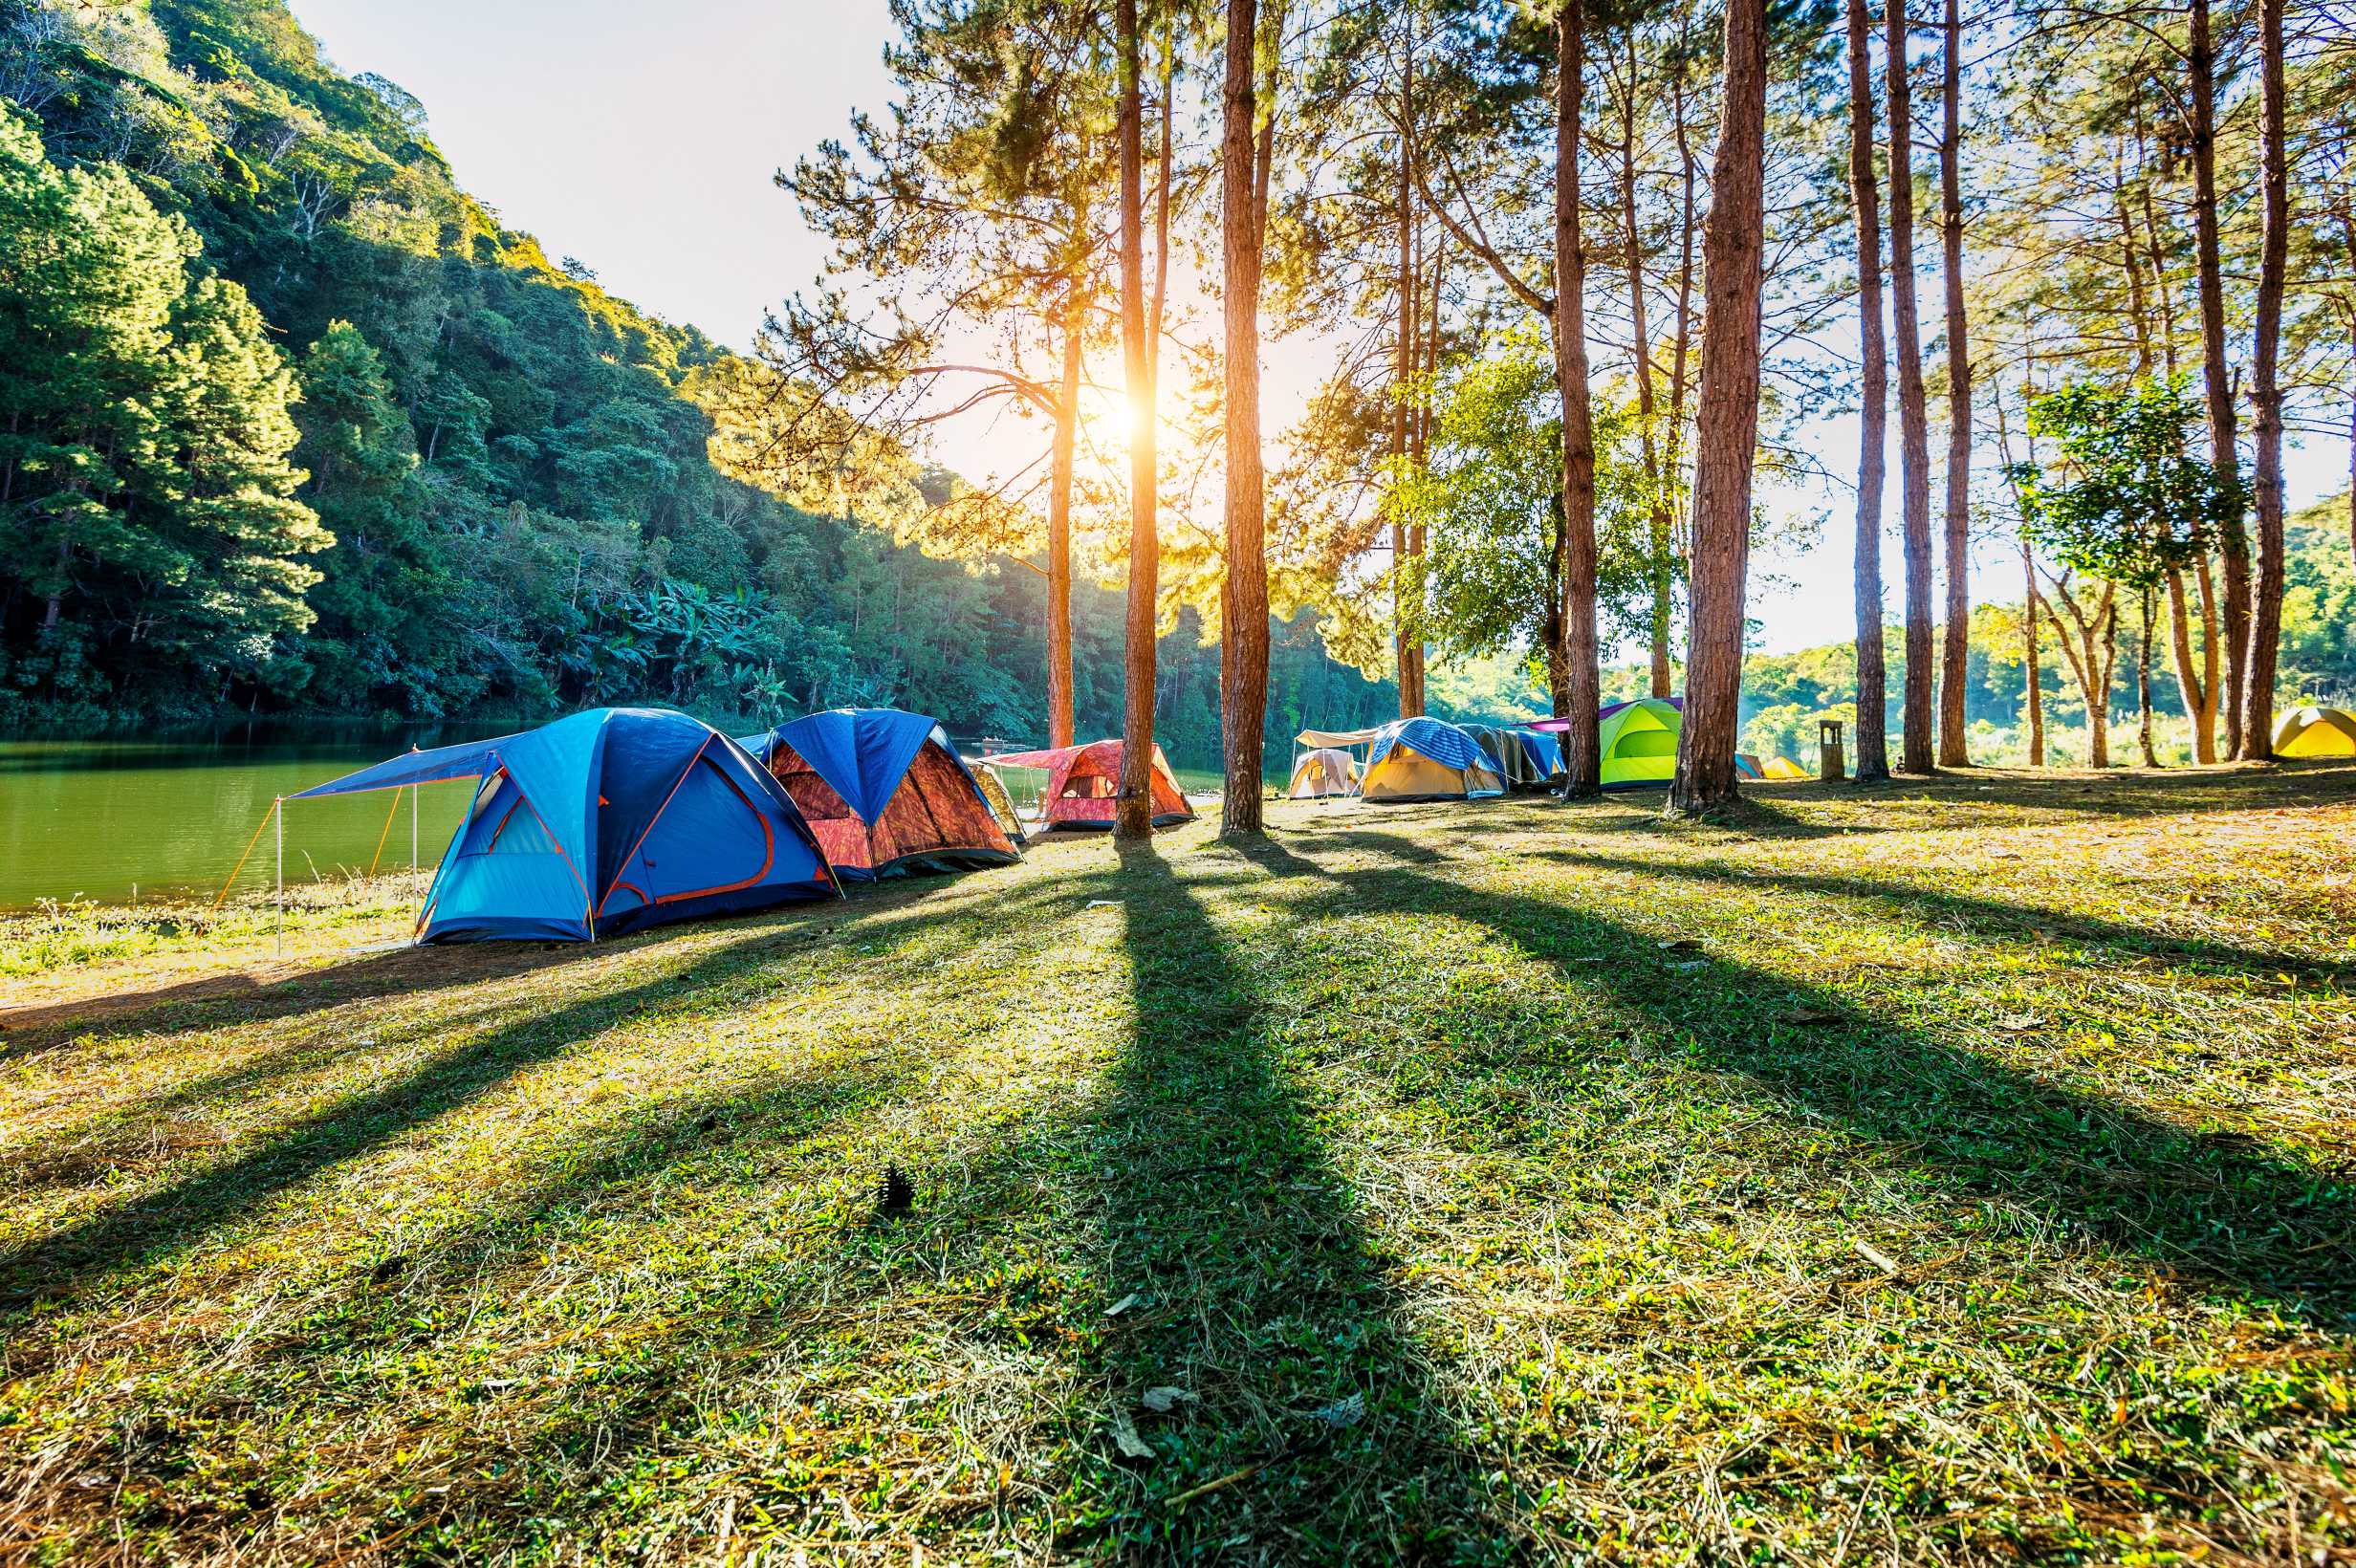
pixel 617 818
pixel 1424 759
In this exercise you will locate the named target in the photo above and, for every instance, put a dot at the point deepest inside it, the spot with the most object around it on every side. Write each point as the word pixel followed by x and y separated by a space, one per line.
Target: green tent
pixel 1639 742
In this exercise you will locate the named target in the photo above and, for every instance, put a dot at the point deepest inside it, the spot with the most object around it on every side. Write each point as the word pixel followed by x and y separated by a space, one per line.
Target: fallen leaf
pixel 2021 1023
pixel 1103 903
pixel 1120 1306
pixel 1126 1438
pixel 1162 1400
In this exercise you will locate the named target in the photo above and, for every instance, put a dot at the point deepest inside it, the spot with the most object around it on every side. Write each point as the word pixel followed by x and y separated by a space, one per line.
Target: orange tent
pixel 1083 780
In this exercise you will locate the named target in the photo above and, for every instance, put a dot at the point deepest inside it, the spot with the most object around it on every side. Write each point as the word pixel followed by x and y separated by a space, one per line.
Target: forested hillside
pixel 300 427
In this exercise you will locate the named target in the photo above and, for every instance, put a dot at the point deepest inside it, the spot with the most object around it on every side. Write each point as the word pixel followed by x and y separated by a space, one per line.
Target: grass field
pixel 1958 1172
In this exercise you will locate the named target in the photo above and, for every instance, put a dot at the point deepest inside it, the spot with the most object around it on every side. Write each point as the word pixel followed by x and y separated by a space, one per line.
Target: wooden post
pixel 1830 763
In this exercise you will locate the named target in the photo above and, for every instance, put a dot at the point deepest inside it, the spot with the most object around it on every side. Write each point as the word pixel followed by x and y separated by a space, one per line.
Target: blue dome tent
pixel 603 823
pixel 886 792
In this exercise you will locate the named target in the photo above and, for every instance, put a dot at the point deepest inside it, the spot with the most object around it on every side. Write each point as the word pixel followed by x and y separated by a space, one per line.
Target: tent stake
pixel 277 813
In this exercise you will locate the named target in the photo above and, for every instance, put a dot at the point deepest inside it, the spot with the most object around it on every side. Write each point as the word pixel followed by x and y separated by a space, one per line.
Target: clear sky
pixel 642 138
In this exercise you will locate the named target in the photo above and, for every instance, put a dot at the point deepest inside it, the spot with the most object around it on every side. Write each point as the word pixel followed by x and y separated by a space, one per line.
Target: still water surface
pixel 97 819
pixel 93 818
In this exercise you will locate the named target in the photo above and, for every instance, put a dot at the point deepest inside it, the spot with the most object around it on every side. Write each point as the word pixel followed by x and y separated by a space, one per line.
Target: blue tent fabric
pixel 861 753
pixel 1544 751
pixel 605 822
pixel 865 756
pixel 1436 738
pixel 443 763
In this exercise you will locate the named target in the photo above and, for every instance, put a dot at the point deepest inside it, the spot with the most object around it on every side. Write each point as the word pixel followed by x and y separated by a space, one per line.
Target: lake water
pixel 97 819
pixel 93 818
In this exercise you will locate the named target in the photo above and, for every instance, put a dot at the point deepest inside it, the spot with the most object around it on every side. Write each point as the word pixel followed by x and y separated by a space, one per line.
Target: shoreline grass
pixel 1955 1172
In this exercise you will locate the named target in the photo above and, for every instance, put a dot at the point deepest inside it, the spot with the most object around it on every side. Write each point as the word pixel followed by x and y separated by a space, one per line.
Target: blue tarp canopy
pixel 603 823
pixel 861 753
pixel 471 759
pixel 1436 738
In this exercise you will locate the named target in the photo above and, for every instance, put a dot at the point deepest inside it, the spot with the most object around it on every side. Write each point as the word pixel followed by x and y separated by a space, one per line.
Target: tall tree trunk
pixel 1419 441
pixel 1872 702
pixel 1681 346
pixel 1134 810
pixel 1405 583
pixel 2085 640
pixel 2200 692
pixel 1581 752
pixel 1726 442
pixel 1243 605
pixel 2274 254
pixel 1060 528
pixel 1955 664
pixel 1662 570
pixel 2143 680
pixel 1914 426
pixel 2217 376
pixel 2035 691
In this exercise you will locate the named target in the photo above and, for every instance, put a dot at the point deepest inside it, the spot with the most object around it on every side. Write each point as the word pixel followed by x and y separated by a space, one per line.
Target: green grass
pixel 1957 1171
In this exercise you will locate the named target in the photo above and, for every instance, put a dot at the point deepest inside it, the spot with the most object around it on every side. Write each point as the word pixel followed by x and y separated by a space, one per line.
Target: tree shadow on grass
pixel 403 971
pixel 242 998
pixel 180 1451
pixel 2255 1225
pixel 54 1269
pixel 1308 1422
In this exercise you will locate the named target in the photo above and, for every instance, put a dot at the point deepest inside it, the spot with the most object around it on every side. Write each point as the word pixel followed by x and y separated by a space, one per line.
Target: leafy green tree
pixel 145 481
pixel 230 510
pixel 1488 498
pixel 2121 497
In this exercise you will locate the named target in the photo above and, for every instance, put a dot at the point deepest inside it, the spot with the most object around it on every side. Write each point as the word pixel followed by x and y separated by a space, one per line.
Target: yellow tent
pixel 2315 733
pixel 1784 768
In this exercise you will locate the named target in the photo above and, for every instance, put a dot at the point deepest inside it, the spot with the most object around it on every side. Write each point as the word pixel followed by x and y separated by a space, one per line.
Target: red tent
pixel 1083 780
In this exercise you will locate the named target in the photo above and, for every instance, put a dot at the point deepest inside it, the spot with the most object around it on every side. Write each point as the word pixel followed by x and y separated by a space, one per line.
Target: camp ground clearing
pixel 1953 1172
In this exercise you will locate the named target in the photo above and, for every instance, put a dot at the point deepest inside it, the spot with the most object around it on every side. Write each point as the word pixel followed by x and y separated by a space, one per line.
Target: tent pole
pixel 412 830
pixel 278 812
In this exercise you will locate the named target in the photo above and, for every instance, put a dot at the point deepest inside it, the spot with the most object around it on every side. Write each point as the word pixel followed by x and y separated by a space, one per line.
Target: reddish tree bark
pixel 1725 438
pixel 1872 704
pixel 1914 426
pixel 1404 637
pixel 2216 374
pixel 1955 655
pixel 1060 528
pixel 2274 255
pixel 1134 811
pixel 1662 573
pixel 1582 679
pixel 1243 605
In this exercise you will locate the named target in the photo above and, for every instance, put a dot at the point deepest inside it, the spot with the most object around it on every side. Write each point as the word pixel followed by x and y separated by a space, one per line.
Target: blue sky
pixel 642 138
